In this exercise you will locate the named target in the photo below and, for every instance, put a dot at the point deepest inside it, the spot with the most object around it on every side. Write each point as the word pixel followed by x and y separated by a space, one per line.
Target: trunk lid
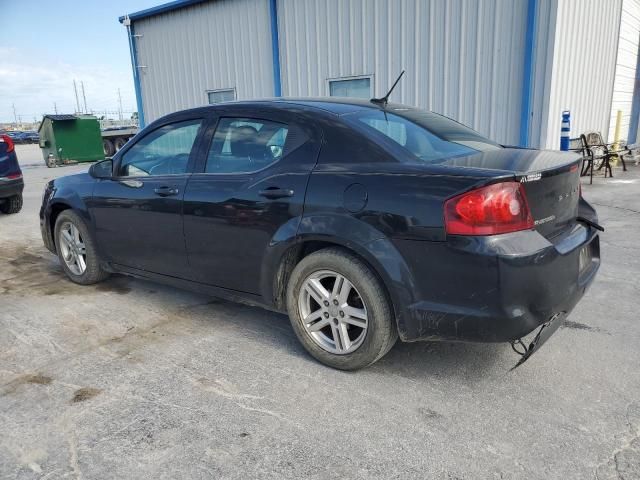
pixel 551 181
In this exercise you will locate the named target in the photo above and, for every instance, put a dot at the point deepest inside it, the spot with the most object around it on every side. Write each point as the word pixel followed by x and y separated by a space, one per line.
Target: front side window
pixel 350 87
pixel 428 137
pixel 242 145
pixel 164 151
pixel 221 96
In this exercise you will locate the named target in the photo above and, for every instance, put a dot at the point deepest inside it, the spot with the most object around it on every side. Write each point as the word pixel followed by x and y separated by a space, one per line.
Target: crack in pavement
pixel 628 445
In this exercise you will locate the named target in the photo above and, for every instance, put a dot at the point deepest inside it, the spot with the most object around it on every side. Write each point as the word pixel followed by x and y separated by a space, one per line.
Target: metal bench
pixel 600 154
pixel 632 152
pixel 579 145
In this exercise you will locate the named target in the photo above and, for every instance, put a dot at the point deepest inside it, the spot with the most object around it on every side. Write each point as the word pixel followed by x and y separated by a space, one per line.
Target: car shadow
pixel 417 360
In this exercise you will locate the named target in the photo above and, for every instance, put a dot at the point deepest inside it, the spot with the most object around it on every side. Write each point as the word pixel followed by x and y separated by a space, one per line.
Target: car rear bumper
pixel 497 289
pixel 10 188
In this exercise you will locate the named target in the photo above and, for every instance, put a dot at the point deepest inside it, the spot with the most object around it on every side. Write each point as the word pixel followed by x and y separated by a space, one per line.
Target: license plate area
pixel 542 335
pixel 584 258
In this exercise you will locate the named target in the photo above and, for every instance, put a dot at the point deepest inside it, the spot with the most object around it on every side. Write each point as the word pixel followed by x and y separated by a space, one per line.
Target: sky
pixel 46 44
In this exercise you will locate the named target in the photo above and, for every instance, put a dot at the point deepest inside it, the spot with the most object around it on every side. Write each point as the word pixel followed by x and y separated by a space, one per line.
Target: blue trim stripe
pixel 527 81
pixel 166 7
pixel 632 137
pixel 136 75
pixel 275 48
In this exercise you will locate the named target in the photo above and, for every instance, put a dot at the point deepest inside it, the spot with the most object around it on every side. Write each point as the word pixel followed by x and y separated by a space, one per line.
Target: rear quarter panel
pixel 361 197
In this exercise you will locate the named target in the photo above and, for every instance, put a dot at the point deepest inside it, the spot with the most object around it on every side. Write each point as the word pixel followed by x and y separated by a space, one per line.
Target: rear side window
pixel 165 151
pixel 423 143
pixel 244 145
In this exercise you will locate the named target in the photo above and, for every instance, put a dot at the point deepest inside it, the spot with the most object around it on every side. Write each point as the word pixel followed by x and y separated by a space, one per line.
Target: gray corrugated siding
pixel 625 67
pixel 463 58
pixel 208 46
pixel 584 58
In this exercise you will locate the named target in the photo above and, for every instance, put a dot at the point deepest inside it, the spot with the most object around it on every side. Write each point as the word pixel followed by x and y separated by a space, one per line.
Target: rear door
pixel 138 213
pixel 249 185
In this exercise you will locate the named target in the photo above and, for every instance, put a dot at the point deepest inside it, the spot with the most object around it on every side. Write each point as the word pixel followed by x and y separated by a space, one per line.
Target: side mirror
pixel 102 169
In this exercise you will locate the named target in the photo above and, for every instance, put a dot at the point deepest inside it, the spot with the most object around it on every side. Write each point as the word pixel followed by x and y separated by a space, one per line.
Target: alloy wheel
pixel 333 312
pixel 72 248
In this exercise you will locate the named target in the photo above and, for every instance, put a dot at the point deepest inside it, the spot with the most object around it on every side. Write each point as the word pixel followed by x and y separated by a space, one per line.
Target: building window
pixel 357 87
pixel 222 95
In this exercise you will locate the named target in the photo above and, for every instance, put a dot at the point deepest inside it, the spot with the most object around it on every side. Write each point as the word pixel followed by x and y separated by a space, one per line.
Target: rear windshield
pixel 427 136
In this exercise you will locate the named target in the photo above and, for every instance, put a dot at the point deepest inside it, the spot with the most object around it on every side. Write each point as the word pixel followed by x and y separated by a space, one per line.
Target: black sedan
pixel 364 221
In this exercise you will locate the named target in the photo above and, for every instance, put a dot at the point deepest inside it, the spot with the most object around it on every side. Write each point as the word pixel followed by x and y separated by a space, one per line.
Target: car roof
pixel 335 105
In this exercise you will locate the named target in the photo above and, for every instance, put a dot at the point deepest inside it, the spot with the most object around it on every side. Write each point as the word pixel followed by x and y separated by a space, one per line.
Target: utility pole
pixel 84 97
pixel 15 117
pixel 75 89
pixel 119 105
pixel 55 108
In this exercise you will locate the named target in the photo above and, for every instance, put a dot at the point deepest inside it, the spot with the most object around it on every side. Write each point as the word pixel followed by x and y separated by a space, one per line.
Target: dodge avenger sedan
pixel 364 221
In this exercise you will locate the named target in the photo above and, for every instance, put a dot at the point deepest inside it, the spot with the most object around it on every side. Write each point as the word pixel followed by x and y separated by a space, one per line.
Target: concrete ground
pixel 130 379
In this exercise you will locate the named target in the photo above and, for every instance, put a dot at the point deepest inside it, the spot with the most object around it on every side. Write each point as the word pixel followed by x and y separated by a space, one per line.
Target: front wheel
pixel 339 310
pixel 76 249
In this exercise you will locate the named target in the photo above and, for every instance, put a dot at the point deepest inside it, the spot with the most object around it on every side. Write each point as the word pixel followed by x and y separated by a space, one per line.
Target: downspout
pixel 275 48
pixel 528 73
pixel 635 105
pixel 136 72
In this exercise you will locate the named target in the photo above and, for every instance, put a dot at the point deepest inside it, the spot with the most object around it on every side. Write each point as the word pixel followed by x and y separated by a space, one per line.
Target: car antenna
pixel 384 100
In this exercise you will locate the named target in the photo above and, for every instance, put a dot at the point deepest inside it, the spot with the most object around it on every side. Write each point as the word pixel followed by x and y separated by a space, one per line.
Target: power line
pixel 86 110
pixel 75 89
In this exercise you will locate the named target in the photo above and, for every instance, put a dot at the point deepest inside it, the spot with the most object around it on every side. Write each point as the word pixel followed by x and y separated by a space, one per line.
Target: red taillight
pixel 14 176
pixel 497 208
pixel 7 139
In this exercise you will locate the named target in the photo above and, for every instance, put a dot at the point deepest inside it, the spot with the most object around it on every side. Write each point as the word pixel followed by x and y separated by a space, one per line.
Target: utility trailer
pixel 114 138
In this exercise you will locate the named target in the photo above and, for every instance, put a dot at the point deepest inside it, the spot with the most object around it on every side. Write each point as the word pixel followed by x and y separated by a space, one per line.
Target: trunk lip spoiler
pixel 590 223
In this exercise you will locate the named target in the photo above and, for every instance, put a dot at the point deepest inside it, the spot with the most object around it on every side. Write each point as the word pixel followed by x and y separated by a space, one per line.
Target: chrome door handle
pixel 275 192
pixel 165 191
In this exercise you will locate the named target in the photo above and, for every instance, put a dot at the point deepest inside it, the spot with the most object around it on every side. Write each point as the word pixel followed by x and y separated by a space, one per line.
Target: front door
pixel 138 213
pixel 251 185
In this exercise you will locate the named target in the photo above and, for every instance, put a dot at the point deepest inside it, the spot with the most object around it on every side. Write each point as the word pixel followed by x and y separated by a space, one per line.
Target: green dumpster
pixel 70 138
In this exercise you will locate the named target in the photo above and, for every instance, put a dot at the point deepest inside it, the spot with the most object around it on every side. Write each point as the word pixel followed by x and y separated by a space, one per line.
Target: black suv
pixel 11 183
pixel 364 221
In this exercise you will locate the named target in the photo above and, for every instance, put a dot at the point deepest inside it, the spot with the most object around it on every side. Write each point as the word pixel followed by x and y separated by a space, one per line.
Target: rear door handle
pixel 165 191
pixel 275 192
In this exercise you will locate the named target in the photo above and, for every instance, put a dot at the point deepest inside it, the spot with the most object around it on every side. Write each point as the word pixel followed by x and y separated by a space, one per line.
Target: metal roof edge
pixel 165 7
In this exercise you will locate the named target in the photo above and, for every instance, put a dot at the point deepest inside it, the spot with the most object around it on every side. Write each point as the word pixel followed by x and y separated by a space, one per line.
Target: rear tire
pixel 361 319
pixel 12 204
pixel 108 148
pixel 119 143
pixel 77 250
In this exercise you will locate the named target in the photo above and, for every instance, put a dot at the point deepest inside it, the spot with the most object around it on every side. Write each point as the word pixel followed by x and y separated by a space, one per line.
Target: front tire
pixel 339 310
pixel 11 205
pixel 76 250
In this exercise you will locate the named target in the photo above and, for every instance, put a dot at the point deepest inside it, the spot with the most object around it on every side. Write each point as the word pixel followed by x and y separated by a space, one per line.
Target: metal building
pixel 504 67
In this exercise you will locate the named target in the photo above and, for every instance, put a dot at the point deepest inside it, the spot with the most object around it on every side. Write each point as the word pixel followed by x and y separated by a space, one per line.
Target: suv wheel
pixel 11 204
pixel 339 310
pixel 76 250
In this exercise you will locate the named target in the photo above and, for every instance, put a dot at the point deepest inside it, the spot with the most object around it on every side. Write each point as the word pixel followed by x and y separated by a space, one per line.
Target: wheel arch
pixel 379 255
pixel 57 206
